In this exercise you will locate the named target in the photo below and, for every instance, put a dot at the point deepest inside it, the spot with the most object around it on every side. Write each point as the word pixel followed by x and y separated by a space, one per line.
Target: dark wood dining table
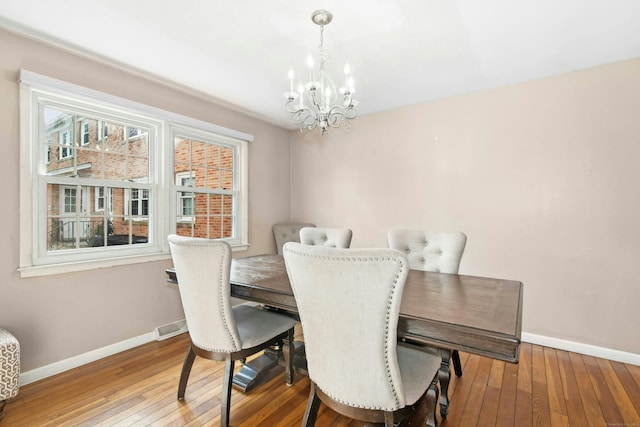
pixel 477 315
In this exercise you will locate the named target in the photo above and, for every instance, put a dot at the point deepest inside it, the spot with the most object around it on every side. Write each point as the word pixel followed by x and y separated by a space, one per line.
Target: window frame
pixel 240 177
pixel 160 125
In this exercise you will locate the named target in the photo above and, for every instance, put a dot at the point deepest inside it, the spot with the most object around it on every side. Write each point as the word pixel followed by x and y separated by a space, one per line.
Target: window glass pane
pixel 208 167
pixel 67 223
pixel 138 168
pixel 198 153
pixel 226 158
pixel 213 178
pixel 182 151
pixel 215 203
pixel 115 166
pixel 64 233
pixel 213 155
pixel 226 179
pixel 198 173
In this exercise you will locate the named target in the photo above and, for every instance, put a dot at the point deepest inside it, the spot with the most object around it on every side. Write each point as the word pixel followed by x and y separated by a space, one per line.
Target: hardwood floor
pixel 138 388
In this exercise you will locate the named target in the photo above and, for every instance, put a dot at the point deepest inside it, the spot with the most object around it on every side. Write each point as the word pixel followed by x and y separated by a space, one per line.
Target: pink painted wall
pixel 58 317
pixel 543 177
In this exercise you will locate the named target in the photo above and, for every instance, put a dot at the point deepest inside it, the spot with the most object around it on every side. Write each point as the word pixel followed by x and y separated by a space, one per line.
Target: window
pixel 102 131
pixel 207 194
pixel 84 132
pixel 103 199
pixel 133 133
pixel 65 150
pixel 139 202
pixel 119 169
pixel 185 198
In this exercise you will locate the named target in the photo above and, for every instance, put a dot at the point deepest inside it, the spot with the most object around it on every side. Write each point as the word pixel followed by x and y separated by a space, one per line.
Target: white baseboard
pixel 91 356
pixel 82 359
pixel 576 347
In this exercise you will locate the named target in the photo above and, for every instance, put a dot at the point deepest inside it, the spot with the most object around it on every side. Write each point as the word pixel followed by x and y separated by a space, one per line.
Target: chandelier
pixel 315 103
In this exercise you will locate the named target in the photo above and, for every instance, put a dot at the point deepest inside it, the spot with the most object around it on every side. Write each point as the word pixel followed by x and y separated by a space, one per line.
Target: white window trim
pixel 33 85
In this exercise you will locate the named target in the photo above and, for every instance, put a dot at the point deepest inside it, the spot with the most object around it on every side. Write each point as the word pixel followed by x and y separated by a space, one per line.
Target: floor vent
pixel 171 330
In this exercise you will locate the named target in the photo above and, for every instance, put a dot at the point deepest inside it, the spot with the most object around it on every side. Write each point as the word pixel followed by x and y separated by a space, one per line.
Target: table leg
pixel 268 365
pixel 444 375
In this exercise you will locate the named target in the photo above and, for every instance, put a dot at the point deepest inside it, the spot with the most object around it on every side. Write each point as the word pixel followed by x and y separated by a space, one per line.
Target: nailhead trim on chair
pixel 221 308
pixel 386 329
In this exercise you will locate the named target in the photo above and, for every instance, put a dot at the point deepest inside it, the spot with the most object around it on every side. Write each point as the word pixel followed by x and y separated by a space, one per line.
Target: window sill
pixel 71 267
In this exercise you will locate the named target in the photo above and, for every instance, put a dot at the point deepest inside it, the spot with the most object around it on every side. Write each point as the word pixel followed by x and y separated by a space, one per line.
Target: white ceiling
pixel 402 52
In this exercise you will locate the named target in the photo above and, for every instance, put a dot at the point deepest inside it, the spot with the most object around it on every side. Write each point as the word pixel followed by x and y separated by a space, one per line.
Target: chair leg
pixel 2 404
pixel 457 367
pixel 226 392
pixel 288 358
pixel 313 404
pixel 186 370
pixel 388 419
pixel 432 399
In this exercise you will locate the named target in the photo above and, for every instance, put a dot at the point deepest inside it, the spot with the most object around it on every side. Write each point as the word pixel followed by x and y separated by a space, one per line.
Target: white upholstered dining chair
pixel 218 330
pixel 440 252
pixel 283 233
pixel 358 292
pixel 328 237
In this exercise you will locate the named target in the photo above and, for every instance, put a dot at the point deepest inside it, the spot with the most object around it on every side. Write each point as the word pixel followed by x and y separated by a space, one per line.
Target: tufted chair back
pixel 328 237
pixel 358 293
pixel 203 267
pixel 283 233
pixel 430 251
pixel 218 330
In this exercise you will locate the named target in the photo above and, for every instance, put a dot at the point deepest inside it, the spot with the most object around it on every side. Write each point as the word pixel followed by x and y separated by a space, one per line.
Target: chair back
pixel 349 302
pixel 430 251
pixel 328 237
pixel 203 268
pixel 283 233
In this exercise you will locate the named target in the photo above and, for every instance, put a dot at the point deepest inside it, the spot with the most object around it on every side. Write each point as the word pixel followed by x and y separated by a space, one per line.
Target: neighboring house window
pixel 185 198
pixel 84 132
pixel 139 202
pixel 133 205
pixel 65 150
pixel 103 199
pixel 131 132
pixel 103 131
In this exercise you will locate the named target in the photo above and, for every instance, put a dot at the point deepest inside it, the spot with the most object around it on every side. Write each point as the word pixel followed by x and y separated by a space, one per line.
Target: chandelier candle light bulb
pixel 323 110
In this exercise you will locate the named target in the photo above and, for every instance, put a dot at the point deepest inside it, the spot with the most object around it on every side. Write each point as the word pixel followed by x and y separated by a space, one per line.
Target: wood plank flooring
pixel 138 388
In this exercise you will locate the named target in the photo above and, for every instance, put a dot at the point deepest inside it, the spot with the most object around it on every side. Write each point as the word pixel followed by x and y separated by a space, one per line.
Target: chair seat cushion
pixel 417 369
pixel 256 326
